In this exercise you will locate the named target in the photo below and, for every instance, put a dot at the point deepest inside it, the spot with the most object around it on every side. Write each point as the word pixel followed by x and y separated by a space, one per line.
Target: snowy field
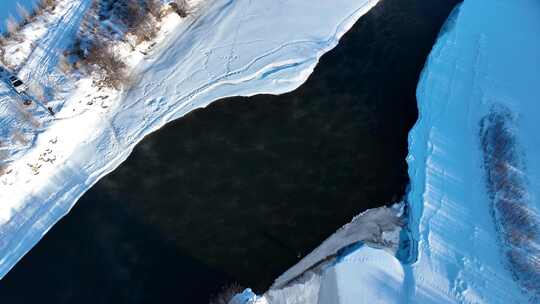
pixel 228 48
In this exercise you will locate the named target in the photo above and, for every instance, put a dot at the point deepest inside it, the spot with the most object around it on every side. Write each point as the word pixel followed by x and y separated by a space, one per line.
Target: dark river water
pixel 239 191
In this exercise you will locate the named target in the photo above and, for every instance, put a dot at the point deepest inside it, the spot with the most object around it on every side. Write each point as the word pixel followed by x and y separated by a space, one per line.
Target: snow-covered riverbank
pixel 486 59
pixel 233 48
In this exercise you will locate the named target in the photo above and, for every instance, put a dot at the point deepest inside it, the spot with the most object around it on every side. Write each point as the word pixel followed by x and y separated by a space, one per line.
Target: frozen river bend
pixel 474 164
pixel 239 47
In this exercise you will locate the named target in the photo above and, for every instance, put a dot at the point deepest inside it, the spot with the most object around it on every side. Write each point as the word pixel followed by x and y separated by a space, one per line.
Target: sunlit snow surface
pixel 474 164
pixel 239 47
pixel 478 130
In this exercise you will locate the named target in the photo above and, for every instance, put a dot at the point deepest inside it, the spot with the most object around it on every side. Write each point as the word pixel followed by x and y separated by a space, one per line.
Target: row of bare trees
pixel 133 21
pixel 27 16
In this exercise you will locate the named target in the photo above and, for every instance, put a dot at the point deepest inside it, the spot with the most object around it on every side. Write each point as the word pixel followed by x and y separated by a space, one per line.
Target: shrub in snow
pixel 140 18
pixel 47 5
pixel 102 60
pixel 226 294
pixel 181 7
pixel 107 23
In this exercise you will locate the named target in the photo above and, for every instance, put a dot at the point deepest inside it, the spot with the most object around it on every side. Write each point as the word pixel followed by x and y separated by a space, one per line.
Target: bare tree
pixel 154 8
pixel 23 12
pixel 181 7
pixel 64 65
pixel 11 25
pixel 47 5
pixel 101 55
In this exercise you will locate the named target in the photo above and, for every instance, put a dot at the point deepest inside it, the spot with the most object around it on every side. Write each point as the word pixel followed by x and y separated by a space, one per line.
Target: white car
pixel 17 84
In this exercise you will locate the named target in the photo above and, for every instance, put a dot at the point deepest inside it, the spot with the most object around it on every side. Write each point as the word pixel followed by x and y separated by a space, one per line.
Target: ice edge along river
pixel 234 48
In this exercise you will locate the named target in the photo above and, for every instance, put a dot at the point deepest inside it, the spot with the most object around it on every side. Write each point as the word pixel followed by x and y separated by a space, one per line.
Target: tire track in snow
pixel 44 59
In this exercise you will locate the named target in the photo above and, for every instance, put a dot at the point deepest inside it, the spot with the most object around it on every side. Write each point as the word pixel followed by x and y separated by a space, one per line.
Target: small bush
pixel 102 59
pixel 154 8
pixel 146 30
pixel 47 5
pixel 181 7
pixel 4 168
pixel 226 294
pixel 139 18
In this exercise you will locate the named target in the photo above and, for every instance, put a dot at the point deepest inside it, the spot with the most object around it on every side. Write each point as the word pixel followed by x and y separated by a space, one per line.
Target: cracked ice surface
pixel 239 47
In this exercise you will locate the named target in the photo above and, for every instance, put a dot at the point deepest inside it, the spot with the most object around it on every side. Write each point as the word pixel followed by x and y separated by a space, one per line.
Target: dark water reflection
pixel 240 190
